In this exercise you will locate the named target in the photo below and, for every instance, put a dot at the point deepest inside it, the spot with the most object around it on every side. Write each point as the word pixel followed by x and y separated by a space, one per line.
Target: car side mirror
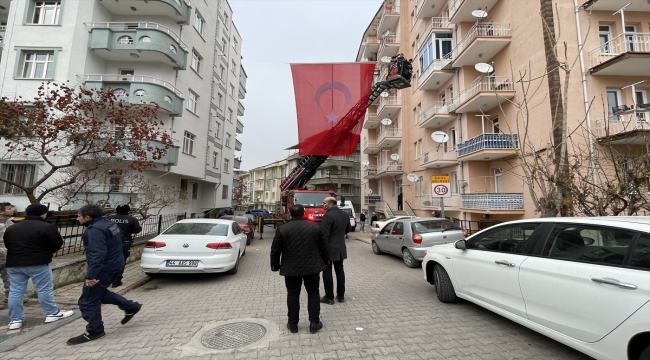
pixel 588 241
pixel 461 245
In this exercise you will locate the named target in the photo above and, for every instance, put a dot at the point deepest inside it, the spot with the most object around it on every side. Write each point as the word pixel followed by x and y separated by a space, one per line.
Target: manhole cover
pixel 233 335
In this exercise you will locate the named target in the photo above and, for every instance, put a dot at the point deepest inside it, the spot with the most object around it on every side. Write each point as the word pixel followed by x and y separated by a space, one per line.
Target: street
pixel 390 312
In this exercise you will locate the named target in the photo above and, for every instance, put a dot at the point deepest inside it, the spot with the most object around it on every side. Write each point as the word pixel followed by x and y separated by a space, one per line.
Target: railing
pixel 434 23
pixel 237 145
pixel 409 209
pixel 494 201
pixel 434 65
pixel 433 155
pixel 367 144
pixel 327 175
pixel 130 78
pixel 430 202
pixel 391 10
pixel 488 141
pixel 127 26
pixel 370 117
pixel 383 206
pixel 390 100
pixel 482 83
pixel 626 42
pixel 437 107
pixel 240 108
pixel 345 158
pixel 371 199
pixel 239 127
pixel 480 30
pixel 392 39
pixel 372 40
pixel 617 124
pixel 370 172
pixel 453 7
pixel 387 133
pixel 393 166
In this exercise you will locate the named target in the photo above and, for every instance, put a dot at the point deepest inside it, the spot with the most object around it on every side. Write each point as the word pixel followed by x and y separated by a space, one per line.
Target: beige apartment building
pixel 481 112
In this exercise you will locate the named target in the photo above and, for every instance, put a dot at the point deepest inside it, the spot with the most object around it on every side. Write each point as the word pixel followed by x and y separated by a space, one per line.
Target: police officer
pixel 129 226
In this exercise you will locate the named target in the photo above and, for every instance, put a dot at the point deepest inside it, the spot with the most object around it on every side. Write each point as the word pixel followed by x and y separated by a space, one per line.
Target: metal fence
pixel 71 230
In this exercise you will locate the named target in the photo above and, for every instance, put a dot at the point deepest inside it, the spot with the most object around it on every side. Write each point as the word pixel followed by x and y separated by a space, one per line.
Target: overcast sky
pixel 274 34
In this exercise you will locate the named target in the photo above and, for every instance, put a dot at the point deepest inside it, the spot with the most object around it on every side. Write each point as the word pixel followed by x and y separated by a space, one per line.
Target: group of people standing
pixel 301 250
pixel 362 220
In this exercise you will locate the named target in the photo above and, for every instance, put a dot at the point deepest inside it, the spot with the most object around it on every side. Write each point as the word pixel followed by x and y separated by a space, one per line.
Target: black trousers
pixel 126 252
pixel 328 281
pixel 92 298
pixel 294 285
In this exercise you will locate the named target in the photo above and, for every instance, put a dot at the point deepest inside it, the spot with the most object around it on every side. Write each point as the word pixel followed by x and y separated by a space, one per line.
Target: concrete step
pixel 400 213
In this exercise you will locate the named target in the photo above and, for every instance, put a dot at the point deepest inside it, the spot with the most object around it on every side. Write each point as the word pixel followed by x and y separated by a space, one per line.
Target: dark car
pixel 245 223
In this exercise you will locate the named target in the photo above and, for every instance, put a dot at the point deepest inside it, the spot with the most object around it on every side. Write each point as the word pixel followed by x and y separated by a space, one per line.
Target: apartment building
pixel 480 111
pixel 185 56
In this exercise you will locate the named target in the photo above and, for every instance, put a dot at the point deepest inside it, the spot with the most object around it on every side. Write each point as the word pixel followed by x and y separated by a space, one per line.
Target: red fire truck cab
pixel 311 200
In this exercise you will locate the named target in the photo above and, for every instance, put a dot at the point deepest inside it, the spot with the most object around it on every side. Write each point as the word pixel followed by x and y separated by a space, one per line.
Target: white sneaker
pixel 60 315
pixel 15 325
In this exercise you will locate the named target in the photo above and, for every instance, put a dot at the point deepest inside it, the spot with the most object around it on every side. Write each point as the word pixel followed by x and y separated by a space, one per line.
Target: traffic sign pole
pixel 442 207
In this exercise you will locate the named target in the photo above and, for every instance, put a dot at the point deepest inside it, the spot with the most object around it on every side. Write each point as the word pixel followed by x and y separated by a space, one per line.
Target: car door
pixel 395 238
pixel 382 238
pixel 489 269
pixel 239 236
pixel 588 279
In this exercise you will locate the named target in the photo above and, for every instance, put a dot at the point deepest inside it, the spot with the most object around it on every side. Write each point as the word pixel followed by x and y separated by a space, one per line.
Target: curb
pixel 359 239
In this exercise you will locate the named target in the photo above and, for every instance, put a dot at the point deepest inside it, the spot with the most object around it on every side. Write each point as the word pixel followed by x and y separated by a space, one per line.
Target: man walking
pixel 333 228
pixel 129 225
pixel 7 211
pixel 103 243
pixel 373 218
pixel 362 221
pixel 300 253
pixel 30 245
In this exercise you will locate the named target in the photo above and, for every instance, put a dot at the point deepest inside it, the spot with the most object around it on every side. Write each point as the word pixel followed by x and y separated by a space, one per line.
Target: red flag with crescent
pixel 331 100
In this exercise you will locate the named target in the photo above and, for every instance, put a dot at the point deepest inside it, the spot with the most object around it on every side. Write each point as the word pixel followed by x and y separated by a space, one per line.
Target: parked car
pixel 410 237
pixel 261 212
pixel 353 221
pixel 195 246
pixel 584 282
pixel 246 224
pixel 378 225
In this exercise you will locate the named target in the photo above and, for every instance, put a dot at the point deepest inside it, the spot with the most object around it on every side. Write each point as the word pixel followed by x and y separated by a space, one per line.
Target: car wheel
pixel 375 249
pixel 444 287
pixel 409 260
pixel 234 270
pixel 645 354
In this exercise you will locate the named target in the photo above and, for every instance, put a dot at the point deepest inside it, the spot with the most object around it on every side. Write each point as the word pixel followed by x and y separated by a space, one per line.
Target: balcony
pixel 240 108
pixel 354 158
pixel 488 147
pixel 3 29
pixel 614 5
pixel 452 203
pixel 632 129
pixel 481 41
pixel 371 48
pixel 236 163
pixel 370 147
pixel 388 46
pixel 389 18
pixel 239 127
pixel 237 145
pixel 433 77
pixel 500 202
pixel 242 93
pixel 389 137
pixel 428 8
pixel 389 106
pixel 389 168
pixel 169 155
pixel 370 172
pixel 436 115
pixel 435 158
pixel 483 94
pixel 138 90
pixel 370 121
pixel 461 10
pixel 625 55
pixel 435 24
pixel 178 10
pixel 371 199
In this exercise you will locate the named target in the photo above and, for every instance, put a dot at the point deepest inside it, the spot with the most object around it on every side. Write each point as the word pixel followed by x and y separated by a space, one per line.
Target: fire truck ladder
pixel 307 167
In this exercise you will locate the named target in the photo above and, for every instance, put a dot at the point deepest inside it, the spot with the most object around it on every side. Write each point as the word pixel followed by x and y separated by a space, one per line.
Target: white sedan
pixel 584 282
pixel 195 246
pixel 378 225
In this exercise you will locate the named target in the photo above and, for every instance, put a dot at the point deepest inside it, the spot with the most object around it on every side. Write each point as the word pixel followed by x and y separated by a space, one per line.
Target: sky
pixel 274 34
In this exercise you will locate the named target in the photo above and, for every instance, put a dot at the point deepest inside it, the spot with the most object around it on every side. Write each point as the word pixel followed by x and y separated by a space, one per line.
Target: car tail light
pixel 417 238
pixel 219 245
pixel 310 217
pixel 154 244
pixel 377 226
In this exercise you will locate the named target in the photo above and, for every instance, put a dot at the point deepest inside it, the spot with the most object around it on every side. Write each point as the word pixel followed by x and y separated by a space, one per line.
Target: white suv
pixel 584 282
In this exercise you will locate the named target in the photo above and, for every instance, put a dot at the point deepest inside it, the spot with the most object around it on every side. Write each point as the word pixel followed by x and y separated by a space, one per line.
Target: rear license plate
pixel 187 263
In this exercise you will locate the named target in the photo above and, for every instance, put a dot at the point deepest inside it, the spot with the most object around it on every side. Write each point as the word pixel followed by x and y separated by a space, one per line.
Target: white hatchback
pixel 584 282
pixel 195 246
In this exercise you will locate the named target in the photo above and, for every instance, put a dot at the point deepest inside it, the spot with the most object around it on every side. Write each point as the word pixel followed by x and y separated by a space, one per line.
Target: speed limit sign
pixel 440 190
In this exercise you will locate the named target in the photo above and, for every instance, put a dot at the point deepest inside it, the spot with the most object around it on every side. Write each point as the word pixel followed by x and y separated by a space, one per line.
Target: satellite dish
pixel 384 94
pixel 368 191
pixel 385 33
pixel 386 121
pixel 385 59
pixel 365 162
pixel 395 157
pixel 412 177
pixel 484 68
pixel 479 13
pixel 440 137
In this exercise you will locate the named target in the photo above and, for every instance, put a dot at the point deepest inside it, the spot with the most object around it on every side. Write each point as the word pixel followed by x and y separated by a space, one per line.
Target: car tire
pixel 248 240
pixel 152 275
pixel 409 260
pixel 645 354
pixel 375 249
pixel 234 270
pixel 444 288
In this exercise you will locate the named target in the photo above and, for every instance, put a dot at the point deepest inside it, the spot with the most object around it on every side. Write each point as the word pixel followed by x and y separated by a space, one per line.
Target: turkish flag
pixel 331 100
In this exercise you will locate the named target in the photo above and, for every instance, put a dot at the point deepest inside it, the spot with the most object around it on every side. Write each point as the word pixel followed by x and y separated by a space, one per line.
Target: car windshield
pixel 310 199
pixel 241 220
pixel 210 229
pixel 347 211
pixel 427 226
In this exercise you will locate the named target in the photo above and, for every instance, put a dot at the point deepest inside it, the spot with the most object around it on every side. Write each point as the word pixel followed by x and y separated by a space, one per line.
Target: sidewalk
pixel 361 236
pixel 66 298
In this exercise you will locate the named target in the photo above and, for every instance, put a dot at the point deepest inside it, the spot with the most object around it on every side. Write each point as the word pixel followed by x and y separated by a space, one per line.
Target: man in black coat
pixel 333 228
pixel 373 218
pixel 300 254
pixel 129 225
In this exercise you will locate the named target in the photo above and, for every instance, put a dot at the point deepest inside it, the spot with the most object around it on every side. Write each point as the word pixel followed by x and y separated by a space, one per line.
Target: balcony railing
pixel 482 83
pixel 437 107
pixel 367 144
pixel 392 166
pixel 132 79
pixel 345 158
pixel 369 172
pixel 126 26
pixel 434 65
pixel 494 201
pixel 389 101
pixel 237 145
pixel 387 133
pixel 429 202
pixel 434 23
pixel 433 155
pixel 480 30
pixel 618 124
pixel 370 117
pixel 239 127
pixel 488 142
pixel 371 199
pixel 627 42
pixel 372 40
pixel 240 108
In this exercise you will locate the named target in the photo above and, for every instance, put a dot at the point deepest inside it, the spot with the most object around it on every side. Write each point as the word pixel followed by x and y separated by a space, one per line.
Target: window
pixel 453 178
pixel 495 126
pixel 230 114
pixel 224 43
pixel 226 165
pixel 198 22
pixel 232 90
pixel 219 101
pixel 452 138
pixel 588 243
pixel 233 67
pixel 222 72
pixel 22 174
pixel 46 12
pixel 605 35
pixel 224 193
pixel 188 143
pixel 195 190
pixel 183 192
pixel 235 43
pixel 217 129
pixel 215 159
pixel 640 257
pixel 38 65
pixel 613 103
pixel 225 19
pixel 196 61
pixel 227 140
pixel 192 100
pixel 507 239
pixel 435 47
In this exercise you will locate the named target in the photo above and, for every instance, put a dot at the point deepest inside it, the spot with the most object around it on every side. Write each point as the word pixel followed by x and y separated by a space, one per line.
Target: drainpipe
pixel 585 94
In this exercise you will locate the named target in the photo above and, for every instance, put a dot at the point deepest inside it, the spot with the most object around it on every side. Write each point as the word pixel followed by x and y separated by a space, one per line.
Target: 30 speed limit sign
pixel 440 190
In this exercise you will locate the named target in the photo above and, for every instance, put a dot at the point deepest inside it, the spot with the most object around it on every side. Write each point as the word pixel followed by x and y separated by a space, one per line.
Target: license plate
pixel 187 263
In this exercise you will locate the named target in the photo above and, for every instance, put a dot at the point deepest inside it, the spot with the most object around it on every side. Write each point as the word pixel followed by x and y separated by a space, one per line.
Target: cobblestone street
pixel 390 312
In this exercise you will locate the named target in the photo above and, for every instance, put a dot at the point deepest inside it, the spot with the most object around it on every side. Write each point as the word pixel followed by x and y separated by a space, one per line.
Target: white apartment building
pixel 185 56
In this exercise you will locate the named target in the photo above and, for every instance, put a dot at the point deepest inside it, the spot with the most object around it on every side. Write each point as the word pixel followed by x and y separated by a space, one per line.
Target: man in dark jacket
pixel 373 218
pixel 299 253
pixel 333 228
pixel 129 226
pixel 103 244
pixel 30 245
